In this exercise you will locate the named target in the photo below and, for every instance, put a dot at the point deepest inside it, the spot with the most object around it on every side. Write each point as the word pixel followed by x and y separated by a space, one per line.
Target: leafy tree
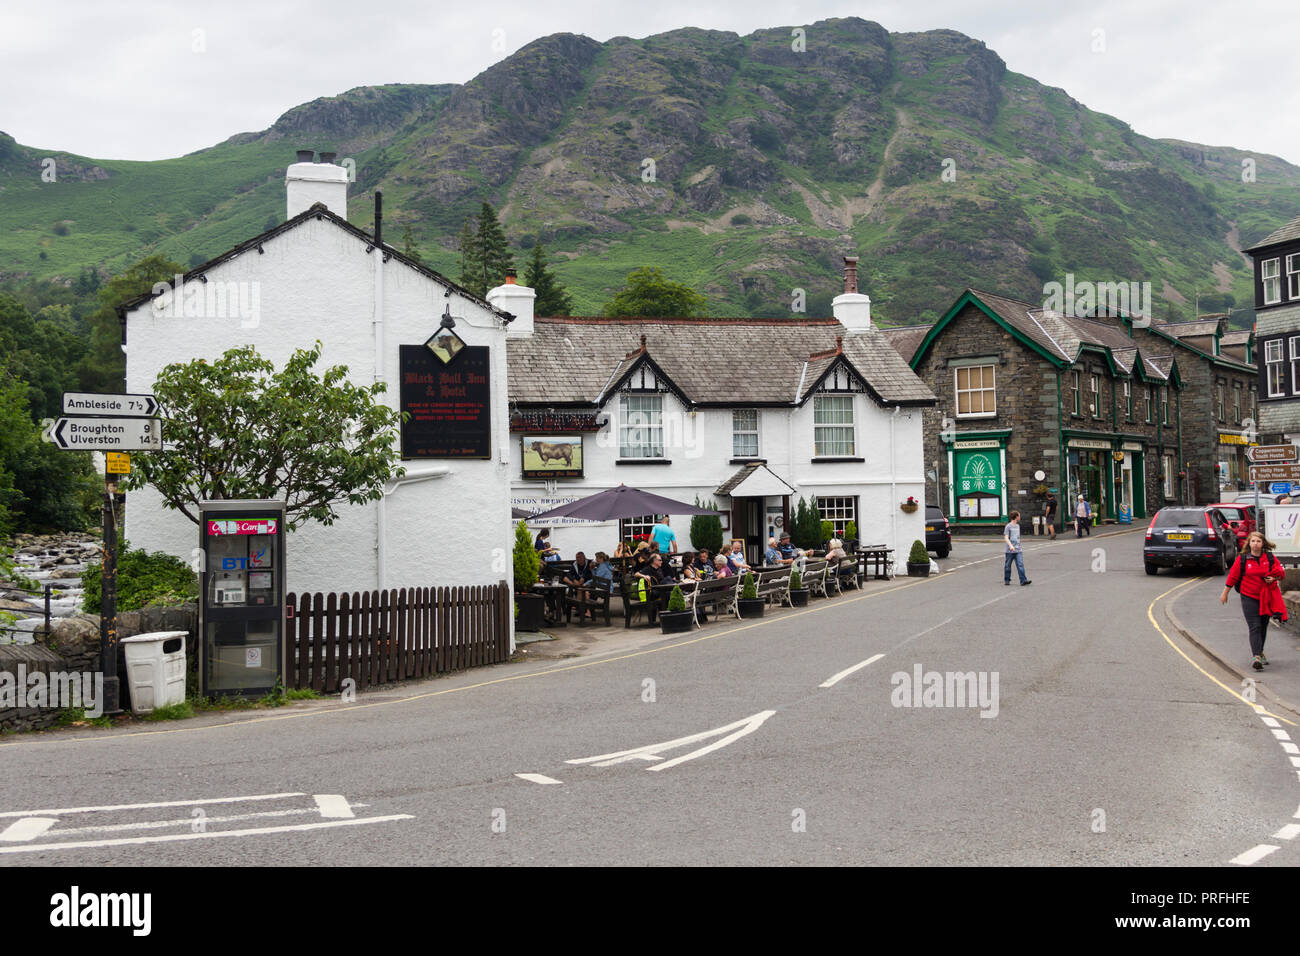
pixel 104 367
pixel 409 248
pixel 484 253
pixel 648 294
pixel 239 429
pixel 552 299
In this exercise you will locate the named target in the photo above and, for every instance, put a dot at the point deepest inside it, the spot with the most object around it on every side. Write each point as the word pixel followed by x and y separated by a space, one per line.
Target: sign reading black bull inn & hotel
pixel 448 402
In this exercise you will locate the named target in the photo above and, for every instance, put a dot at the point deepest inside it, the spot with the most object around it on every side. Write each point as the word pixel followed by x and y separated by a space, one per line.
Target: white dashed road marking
pixel 831 682
pixel 27 828
pixel 1254 854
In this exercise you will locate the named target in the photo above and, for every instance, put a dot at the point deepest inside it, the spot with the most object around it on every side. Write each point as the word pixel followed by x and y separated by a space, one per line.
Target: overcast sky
pixel 139 79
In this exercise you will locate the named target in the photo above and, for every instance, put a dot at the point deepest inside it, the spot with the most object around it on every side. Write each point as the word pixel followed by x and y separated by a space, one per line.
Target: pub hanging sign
pixel 448 400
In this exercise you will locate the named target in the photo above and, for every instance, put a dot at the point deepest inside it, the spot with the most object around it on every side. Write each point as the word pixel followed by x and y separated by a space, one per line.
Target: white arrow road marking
pixel 27 828
pixel 650 752
pixel 333 805
pixel 178 837
pixel 537 778
pixel 148 806
pixel 831 682
pixel 1253 855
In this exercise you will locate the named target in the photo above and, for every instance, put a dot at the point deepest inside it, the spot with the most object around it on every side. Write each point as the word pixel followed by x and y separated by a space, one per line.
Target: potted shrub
pixel 527 564
pixel 798 593
pixel 675 618
pixel 828 532
pixel 750 604
pixel 850 536
pixel 918 561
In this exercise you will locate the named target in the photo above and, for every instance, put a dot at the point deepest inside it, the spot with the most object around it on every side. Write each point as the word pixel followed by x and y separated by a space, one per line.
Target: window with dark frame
pixel 839 511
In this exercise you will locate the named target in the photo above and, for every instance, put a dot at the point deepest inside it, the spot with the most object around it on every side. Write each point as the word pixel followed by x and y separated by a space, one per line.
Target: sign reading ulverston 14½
pixel 448 403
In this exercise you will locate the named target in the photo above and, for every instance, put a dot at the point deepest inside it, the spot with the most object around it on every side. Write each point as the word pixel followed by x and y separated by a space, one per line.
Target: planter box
pixel 799 598
pixel 751 607
pixel 674 622
pixel 918 570
pixel 531 607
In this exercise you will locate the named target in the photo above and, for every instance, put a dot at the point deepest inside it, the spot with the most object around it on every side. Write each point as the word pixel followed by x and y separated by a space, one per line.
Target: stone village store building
pixel 748 413
pixel 1100 406
pixel 318 277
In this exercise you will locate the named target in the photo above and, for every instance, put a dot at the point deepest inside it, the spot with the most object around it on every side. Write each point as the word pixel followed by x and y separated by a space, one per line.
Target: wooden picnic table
pixel 553 595
pixel 880 558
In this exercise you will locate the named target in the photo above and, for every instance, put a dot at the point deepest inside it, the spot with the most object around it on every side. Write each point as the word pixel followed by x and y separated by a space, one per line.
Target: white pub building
pixel 748 415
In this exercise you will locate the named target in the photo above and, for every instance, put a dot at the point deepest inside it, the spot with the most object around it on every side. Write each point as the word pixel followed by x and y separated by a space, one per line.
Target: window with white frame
pixel 1128 400
pixel 1275 370
pixel 1270 279
pixel 744 433
pixel 1164 405
pixel 976 392
pixel 1074 389
pixel 1171 475
pixel 641 426
pixel 1094 383
pixel 833 426
pixel 1294 349
pixel 1293 276
pixel 636 529
pixel 1151 404
pixel 839 512
pixel 1236 404
pixel 1218 402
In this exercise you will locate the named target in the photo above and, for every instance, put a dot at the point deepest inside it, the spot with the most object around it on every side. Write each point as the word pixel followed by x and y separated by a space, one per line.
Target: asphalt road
pixel 1106 744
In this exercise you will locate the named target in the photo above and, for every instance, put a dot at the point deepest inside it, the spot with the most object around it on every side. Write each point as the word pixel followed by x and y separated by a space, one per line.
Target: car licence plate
pixel 929 527
pixel 1178 537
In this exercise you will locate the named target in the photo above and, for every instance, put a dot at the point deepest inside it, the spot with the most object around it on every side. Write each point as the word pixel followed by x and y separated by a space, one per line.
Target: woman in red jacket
pixel 1258 573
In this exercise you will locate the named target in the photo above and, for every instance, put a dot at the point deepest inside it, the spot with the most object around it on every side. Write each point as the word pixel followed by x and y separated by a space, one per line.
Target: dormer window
pixel 1271 280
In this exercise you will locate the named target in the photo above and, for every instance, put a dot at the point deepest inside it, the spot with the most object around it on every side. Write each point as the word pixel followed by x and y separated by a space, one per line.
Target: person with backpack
pixel 1257 574
pixel 1082 518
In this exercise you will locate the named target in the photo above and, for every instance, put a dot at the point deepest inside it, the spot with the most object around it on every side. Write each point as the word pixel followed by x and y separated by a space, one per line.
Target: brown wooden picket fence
pixel 377 637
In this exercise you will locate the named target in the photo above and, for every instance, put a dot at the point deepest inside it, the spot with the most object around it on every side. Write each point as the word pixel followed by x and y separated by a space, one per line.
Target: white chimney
pixel 853 309
pixel 518 301
pixel 307 183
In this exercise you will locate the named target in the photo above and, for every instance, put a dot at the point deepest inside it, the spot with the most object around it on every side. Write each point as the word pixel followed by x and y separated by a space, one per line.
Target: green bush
pixel 143 579
pixel 827 531
pixel 918 554
pixel 676 602
pixel 706 530
pixel 851 531
pixel 796 580
pixel 749 590
pixel 527 563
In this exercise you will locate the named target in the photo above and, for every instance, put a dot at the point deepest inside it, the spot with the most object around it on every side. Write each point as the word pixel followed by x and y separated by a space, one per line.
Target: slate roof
pixel 737 478
pixel 578 360
pixel 1284 234
pixel 1028 320
pixel 906 338
pixel 1184 329
pixel 1235 337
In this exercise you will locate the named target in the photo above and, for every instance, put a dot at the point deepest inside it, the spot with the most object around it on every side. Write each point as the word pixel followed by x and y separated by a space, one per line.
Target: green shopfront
pixel 1109 472
pixel 977 490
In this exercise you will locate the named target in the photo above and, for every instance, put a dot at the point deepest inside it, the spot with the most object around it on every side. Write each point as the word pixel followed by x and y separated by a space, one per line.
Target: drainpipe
pixel 893 483
pixel 377 326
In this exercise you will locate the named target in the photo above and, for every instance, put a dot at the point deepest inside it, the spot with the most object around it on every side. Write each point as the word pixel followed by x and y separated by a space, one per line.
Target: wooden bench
pixel 716 593
pixel 844 576
pixel 773 583
pixel 814 575
pixel 593 597
pixel 632 603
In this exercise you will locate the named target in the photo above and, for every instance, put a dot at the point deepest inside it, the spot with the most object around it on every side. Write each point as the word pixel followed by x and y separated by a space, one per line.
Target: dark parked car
pixel 1189 536
pixel 937 536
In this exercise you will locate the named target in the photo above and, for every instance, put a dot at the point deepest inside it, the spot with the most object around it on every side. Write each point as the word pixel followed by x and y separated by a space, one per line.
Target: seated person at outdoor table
pixel 689 571
pixel 772 557
pixel 788 551
pixel 602 572
pixel 543 546
pixel 722 568
pixel 623 550
pixel 835 551
pixel 737 556
pixel 641 557
pixel 578 573
pixel 654 571
pixel 703 565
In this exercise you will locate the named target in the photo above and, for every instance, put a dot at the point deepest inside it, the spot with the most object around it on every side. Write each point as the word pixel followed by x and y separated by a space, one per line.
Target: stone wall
pixel 72 645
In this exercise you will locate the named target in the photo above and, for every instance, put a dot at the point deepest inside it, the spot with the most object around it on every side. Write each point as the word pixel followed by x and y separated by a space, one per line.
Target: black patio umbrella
pixel 622 502
pixel 520 513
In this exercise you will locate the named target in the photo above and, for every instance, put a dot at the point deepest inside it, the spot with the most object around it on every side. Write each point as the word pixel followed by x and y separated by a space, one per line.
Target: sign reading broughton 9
pixel 448 402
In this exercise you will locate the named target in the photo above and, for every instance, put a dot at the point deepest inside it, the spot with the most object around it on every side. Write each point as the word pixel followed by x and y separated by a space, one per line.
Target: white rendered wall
pixel 317 282
pixel 700 448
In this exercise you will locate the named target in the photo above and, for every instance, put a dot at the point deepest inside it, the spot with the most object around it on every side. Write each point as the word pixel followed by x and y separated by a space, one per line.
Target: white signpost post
pixel 108 423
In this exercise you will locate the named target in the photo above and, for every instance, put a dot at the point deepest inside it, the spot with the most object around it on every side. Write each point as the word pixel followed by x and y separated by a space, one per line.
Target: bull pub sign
pixel 448 401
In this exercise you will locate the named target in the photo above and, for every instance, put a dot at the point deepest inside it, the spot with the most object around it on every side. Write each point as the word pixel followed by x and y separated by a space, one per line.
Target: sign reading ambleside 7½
pixel 448 403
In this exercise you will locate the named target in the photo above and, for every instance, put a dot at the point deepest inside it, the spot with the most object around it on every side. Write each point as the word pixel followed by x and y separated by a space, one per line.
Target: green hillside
pixel 769 164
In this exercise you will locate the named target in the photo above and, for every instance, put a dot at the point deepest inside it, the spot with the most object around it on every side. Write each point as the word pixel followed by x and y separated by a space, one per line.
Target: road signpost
pixel 113 424
pixel 1272 453
pixel 1284 471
